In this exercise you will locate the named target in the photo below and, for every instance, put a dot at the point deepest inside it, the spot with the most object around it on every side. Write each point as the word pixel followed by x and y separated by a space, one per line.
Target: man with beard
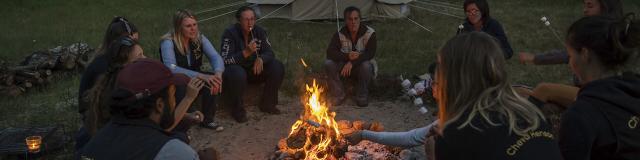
pixel 350 55
pixel 142 108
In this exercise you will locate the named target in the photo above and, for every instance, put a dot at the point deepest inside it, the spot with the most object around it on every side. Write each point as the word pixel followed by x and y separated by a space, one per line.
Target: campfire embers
pixel 316 135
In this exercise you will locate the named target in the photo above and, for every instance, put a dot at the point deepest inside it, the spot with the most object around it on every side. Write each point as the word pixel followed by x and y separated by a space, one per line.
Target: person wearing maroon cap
pixel 143 109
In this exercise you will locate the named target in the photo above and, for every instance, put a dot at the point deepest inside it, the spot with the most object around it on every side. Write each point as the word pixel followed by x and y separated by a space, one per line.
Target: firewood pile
pixel 38 68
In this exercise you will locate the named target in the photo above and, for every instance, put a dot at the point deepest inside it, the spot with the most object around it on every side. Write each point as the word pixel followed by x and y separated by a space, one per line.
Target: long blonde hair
pixel 471 78
pixel 176 34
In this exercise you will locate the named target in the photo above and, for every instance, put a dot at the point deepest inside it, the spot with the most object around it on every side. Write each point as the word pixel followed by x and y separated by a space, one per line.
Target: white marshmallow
pixel 412 92
pixel 423 110
pixel 406 83
pixel 417 101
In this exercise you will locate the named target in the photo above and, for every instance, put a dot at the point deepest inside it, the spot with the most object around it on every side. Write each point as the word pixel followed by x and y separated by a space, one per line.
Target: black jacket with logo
pixel 480 140
pixel 233 43
pixel 126 139
pixel 604 122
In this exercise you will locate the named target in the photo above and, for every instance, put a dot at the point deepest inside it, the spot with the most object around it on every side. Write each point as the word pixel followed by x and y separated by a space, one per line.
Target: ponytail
pixel 614 41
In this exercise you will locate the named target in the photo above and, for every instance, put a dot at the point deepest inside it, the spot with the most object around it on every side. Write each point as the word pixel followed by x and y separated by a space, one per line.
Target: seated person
pixel 182 49
pixel 143 107
pixel 479 19
pixel 248 58
pixel 97 70
pixel 603 121
pixel 481 116
pixel 348 55
pixel 560 94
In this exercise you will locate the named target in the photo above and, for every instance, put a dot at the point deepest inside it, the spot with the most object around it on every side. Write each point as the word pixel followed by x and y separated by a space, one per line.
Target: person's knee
pixel 235 73
pixel 276 68
pixel 366 66
pixel 365 69
pixel 330 66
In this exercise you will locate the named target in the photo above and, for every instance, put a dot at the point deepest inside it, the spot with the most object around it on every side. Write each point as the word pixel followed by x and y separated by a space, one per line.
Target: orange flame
pixel 327 133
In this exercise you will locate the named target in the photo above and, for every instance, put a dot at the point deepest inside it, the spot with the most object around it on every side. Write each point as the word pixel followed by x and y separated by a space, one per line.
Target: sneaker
pixel 212 125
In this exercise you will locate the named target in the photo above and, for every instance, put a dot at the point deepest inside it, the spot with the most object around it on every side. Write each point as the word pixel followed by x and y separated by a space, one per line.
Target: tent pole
pixel 337 17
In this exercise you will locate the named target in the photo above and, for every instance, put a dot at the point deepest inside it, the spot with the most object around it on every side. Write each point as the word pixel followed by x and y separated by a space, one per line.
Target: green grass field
pixel 403 48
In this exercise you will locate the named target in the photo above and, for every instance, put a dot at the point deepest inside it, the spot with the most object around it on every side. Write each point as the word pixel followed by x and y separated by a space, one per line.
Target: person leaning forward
pixel 142 108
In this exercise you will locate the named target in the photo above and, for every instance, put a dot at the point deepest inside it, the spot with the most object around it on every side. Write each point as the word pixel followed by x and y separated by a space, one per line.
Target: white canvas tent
pixel 326 9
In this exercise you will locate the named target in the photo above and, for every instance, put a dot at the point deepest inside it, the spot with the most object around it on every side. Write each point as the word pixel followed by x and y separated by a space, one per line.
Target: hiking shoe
pixel 271 110
pixel 240 118
pixel 212 125
pixel 337 101
pixel 362 102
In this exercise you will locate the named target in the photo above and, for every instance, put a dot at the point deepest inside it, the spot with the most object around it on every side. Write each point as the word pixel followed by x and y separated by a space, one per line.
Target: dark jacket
pixel 96 68
pixel 126 139
pixel 603 123
pixel 493 28
pixel 334 53
pixel 233 43
pixel 495 142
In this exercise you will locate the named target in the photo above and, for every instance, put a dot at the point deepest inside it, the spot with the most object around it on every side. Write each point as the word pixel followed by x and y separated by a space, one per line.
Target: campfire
pixel 317 135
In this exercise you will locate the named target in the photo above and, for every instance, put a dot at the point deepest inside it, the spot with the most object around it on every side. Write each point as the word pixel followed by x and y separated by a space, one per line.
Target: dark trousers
pixel 362 72
pixel 82 137
pixel 236 78
pixel 208 102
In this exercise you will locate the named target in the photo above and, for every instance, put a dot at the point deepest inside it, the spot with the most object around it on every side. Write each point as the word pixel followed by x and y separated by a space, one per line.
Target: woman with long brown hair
pixel 119 53
pixel 480 114
pixel 118 27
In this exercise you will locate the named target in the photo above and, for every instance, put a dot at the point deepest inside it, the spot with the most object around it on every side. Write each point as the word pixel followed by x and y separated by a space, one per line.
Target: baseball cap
pixel 144 77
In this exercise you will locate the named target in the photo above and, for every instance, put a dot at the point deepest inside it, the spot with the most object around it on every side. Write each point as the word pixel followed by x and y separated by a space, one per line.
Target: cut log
pixel 358 125
pixel 28 74
pixel 45 73
pixel 41 65
pixel 7 79
pixel 27 84
pixel 12 90
pixel 67 61
pixel 376 126
pixel 21 80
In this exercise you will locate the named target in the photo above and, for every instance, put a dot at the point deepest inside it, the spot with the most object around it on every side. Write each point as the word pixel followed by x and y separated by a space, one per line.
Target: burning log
pixel 316 135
